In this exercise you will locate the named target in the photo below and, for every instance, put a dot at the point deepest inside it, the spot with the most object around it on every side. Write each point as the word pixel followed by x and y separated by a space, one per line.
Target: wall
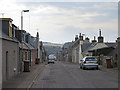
pixel 80 51
pixel 75 54
pixel 112 61
pixel 24 58
pixel 70 54
pixel 34 56
pixel 12 61
pixel 0 64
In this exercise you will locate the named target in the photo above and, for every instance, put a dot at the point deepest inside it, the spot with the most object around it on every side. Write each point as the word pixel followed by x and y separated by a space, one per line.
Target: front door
pixel 6 65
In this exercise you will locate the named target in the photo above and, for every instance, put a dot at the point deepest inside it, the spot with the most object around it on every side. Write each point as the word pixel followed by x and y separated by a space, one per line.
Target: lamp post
pixel 22 32
pixel 22 18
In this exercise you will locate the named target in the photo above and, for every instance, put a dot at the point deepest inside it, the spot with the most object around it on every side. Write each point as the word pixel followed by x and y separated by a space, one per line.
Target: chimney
pixel 100 38
pixel 81 37
pixel 87 39
pixel 37 44
pixel 76 37
pixel 93 41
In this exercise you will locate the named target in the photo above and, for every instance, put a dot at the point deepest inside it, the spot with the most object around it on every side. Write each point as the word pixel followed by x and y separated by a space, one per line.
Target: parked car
pixel 89 62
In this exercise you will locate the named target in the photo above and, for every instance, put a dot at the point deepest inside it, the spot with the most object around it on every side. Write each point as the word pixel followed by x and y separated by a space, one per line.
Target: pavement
pixel 25 79
pixel 111 70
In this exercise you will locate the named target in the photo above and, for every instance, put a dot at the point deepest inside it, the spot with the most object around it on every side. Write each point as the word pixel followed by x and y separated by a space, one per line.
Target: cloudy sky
pixel 59 22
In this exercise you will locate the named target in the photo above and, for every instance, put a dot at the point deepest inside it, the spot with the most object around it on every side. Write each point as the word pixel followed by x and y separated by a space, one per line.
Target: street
pixel 67 75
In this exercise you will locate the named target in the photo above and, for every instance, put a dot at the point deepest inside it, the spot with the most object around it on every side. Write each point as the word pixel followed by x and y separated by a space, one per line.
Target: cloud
pixel 68 1
pixel 106 6
pixel 55 21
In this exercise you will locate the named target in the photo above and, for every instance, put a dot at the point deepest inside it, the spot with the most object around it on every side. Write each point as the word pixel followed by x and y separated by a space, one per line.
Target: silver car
pixel 51 61
pixel 89 62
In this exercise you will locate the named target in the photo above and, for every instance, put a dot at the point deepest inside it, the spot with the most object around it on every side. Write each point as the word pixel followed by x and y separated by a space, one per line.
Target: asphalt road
pixel 66 75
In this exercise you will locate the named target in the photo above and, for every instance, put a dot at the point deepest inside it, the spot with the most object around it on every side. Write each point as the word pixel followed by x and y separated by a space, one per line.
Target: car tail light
pixel 84 62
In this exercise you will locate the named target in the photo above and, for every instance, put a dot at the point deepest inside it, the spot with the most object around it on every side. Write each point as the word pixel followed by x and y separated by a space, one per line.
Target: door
pixel 6 65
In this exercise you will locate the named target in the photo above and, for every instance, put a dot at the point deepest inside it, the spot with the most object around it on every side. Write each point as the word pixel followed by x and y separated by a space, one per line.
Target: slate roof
pixel 86 47
pixel 111 44
pixel 26 46
pixel 98 46
pixel 75 42
pixel 6 37
pixel 29 46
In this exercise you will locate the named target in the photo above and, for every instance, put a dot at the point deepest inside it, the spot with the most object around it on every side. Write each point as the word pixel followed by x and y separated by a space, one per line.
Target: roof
pixel 98 46
pixel 7 19
pixel 6 37
pixel 75 42
pixel 111 44
pixel 30 46
pixel 26 46
pixel 87 47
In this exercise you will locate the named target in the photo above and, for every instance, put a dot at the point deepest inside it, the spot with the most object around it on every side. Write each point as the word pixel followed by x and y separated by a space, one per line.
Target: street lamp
pixel 22 18
pixel 22 32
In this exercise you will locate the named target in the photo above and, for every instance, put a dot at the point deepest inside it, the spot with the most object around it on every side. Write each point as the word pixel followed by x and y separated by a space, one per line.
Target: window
pixel 90 59
pixel 25 55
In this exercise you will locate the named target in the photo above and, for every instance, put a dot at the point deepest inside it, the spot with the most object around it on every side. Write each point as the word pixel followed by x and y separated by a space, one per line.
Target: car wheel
pixel 97 68
pixel 83 68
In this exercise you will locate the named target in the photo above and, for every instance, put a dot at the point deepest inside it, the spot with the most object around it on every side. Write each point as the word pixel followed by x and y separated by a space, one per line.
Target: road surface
pixel 66 75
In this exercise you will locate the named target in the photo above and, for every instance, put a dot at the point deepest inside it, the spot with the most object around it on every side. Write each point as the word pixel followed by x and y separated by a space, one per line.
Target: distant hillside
pixel 52 44
pixel 67 44
pixel 52 48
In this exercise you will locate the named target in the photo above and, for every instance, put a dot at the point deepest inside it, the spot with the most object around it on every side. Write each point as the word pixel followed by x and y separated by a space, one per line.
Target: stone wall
pixel 10 58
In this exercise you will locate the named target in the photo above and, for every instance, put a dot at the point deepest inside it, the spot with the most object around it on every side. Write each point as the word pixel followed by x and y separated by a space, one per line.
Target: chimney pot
pixel 100 38
pixel 93 41
pixel 76 37
pixel 94 38
pixel 99 32
pixel 81 37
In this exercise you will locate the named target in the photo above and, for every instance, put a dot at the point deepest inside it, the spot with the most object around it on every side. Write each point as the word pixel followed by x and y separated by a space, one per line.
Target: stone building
pixel 102 50
pixel 77 49
pixel 10 49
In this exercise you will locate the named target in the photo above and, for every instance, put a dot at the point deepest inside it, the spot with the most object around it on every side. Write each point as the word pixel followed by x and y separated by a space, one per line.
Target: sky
pixel 60 22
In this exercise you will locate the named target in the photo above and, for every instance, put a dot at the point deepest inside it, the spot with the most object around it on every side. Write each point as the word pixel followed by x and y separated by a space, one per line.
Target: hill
pixel 52 48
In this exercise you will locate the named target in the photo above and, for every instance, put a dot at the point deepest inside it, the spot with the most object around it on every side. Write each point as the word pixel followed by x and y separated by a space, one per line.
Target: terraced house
pixel 19 49
pixel 106 52
pixel 10 49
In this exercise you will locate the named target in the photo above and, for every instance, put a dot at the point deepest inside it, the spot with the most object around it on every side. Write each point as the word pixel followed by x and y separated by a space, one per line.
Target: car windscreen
pixel 90 59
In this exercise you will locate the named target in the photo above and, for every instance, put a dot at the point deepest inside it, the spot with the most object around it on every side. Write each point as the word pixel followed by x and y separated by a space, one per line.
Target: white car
pixel 89 62
pixel 51 61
